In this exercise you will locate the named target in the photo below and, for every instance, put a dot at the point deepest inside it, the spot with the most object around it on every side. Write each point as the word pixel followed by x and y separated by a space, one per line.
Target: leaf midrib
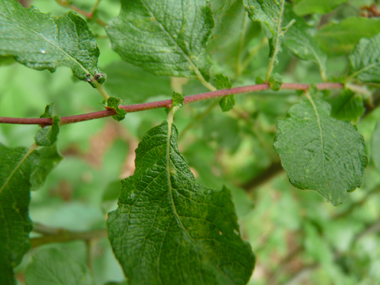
pixel 15 169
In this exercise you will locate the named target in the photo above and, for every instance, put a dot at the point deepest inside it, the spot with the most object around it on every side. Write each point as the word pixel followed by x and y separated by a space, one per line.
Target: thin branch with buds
pixel 165 103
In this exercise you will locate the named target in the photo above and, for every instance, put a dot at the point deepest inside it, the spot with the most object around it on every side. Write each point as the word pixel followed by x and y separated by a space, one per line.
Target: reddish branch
pixel 164 103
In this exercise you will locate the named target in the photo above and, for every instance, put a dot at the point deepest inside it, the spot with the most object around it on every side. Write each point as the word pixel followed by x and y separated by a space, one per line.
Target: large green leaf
pixel 52 266
pixel 300 40
pixel 376 146
pixel 270 13
pixel 41 41
pixel 303 7
pixel 341 38
pixel 164 37
pixel 365 60
pixel 169 228
pixel 15 170
pixel 320 153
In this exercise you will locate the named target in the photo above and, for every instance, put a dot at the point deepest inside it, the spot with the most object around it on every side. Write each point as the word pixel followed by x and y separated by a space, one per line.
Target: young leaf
pixel 165 38
pixel 271 14
pixel 52 266
pixel 376 146
pixel 49 158
pixel 320 153
pixel 223 82
pixel 300 41
pixel 48 134
pixel 41 41
pixel 177 100
pixel 114 103
pixel 275 82
pixel 347 106
pixel 15 170
pixel 365 60
pixel 341 38
pixel 304 7
pixel 169 228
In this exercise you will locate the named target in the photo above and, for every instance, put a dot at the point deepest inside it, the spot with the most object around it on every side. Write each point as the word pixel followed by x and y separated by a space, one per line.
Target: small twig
pixel 54 235
pixel 164 103
pixel 88 15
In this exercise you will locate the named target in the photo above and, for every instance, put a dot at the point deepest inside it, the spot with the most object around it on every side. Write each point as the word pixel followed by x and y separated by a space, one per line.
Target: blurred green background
pixel 298 237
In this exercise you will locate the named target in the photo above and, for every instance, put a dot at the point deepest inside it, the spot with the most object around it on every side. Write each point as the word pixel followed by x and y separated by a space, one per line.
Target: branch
pixel 54 235
pixel 88 15
pixel 165 103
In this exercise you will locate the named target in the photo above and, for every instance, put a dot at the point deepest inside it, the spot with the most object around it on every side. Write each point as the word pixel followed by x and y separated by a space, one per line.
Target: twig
pixel 54 235
pixel 165 103
pixel 88 15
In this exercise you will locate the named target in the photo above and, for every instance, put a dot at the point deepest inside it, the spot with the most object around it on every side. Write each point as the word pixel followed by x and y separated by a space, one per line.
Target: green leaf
pixel 114 103
pixel 303 7
pixel 347 106
pixel 300 40
pixel 375 146
pixel 365 60
pixel 320 153
pixel 15 170
pixel 169 228
pixel 47 136
pixel 223 82
pixel 270 13
pixel 41 41
pixel 49 158
pixel 48 111
pixel 165 38
pixel 275 82
pixel 177 100
pixel 52 266
pixel 341 38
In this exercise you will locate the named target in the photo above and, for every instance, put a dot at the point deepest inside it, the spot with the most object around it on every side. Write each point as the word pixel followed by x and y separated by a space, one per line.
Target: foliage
pixel 200 198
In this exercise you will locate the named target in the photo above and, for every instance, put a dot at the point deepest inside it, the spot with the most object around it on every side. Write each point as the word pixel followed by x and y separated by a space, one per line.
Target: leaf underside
pixel 164 37
pixel 170 229
pixel 41 41
pixel 320 153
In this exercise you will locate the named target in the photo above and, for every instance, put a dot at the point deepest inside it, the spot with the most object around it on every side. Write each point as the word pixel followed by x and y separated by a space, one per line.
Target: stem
pixel 358 89
pixel 165 103
pixel 279 33
pixel 54 235
pixel 101 90
pixel 198 118
pixel 88 15
pixel 241 42
pixel 253 53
